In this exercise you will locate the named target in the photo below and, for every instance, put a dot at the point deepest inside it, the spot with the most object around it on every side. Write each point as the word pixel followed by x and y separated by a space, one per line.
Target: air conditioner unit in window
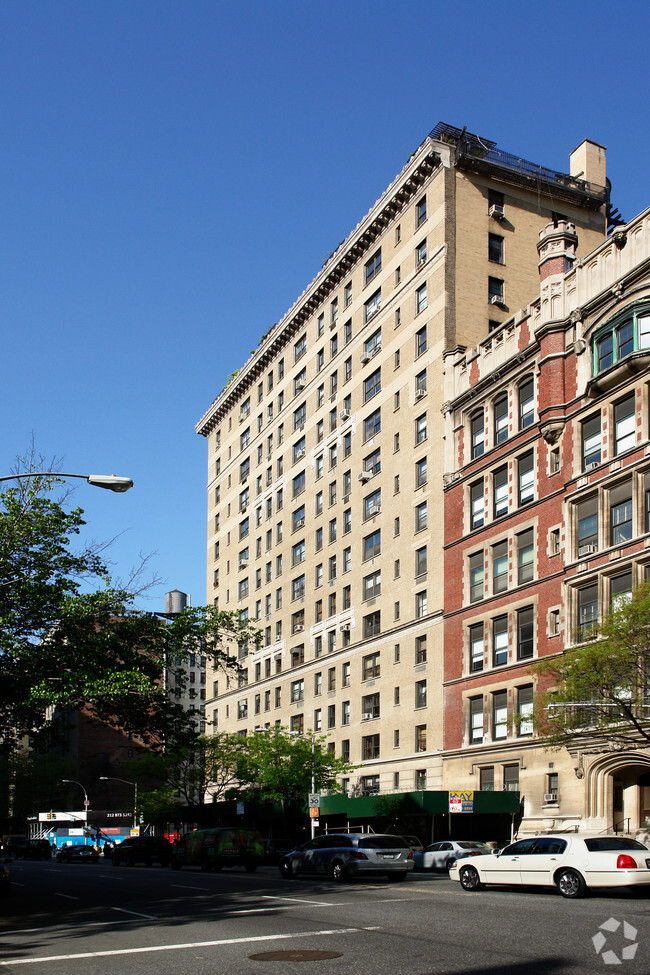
pixel 497 300
pixel 333 325
pixel 364 476
pixel 346 498
pixel 366 716
pixel 497 211
pixel 345 627
pixel 300 385
pixel 243 564
pixel 242 417
pixel 550 797
pixel 592 465
pixel 300 522
pixel 345 414
pixel 419 393
pixel 587 549
pixel 363 358
pixel 298 628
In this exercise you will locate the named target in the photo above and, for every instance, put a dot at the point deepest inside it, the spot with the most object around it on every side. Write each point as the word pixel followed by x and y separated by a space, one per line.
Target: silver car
pixel 343 855
pixel 441 855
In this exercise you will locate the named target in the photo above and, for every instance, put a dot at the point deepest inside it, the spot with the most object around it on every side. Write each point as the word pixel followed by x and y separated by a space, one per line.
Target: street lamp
pixel 113 778
pixel 86 802
pixel 109 481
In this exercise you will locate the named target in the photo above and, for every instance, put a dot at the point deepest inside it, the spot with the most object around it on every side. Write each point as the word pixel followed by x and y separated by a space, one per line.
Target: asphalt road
pixel 95 919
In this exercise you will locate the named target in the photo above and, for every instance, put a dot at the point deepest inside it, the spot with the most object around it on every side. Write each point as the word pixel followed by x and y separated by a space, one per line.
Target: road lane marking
pixel 186 946
pixel 298 900
pixel 123 910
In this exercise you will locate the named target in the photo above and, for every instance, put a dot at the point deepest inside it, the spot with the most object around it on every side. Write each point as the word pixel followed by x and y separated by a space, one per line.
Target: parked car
pixel 142 849
pixel 33 850
pixel 572 863
pixel 212 849
pixel 343 855
pixel 441 855
pixel 77 853
pixel 413 843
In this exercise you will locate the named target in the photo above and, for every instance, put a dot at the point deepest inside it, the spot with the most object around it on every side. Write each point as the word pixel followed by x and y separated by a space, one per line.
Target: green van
pixel 212 849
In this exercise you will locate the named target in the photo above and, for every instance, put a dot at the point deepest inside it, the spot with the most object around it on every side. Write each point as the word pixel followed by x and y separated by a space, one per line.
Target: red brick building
pixel 547 522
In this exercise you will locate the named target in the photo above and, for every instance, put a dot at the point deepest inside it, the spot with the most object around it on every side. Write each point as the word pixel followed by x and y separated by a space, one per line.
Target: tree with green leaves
pixel 278 764
pixel 71 639
pixel 599 691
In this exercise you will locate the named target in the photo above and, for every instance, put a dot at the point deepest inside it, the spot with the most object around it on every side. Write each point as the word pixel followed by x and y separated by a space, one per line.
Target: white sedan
pixel 441 855
pixel 573 863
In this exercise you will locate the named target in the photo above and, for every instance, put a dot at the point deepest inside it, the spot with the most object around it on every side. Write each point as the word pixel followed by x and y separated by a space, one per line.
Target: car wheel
pixel 570 883
pixel 469 879
pixel 338 871
pixel 286 869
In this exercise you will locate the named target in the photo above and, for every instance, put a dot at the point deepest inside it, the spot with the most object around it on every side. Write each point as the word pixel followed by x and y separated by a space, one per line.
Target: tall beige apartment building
pixel 325 454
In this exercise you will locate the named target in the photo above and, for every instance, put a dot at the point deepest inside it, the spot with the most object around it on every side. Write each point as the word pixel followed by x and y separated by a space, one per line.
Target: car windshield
pixel 383 843
pixel 604 844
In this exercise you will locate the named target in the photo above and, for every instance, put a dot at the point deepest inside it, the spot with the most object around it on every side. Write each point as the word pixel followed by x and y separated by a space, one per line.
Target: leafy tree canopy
pixel 278 764
pixel 70 638
pixel 600 691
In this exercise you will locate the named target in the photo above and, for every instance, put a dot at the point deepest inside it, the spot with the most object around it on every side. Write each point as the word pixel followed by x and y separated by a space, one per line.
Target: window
pixel 369 748
pixel 370 667
pixel 372 306
pixel 319 539
pixel 298 484
pixel 372 385
pixel 298 518
pixel 526 403
pixel 475 720
pixel 591 441
pixel 420 429
pixel 495 291
pixel 421 472
pixel 347 294
pixel 421 341
pixel 320 328
pixel 587 603
pixel 372 624
pixel 297 690
pixel 299 382
pixel 420 604
pixel 525 557
pixel 421 253
pixel 345 713
pixel 298 588
pixel 420 649
pixel 421 561
pixel 300 348
pixel 421 516
pixel 499 641
pixel 372 425
pixel 495 248
pixel 476 648
pixel 347 370
pixel 420 211
pixel 476 505
pixel 511 778
pixel 526 477
pixel 486 779
pixel 500 567
pixel 624 425
pixel 499 715
pixel 299 449
pixel 421 384
pixel 421 738
pixel 299 416
pixel 370 706
pixel 298 553
pixel 334 312
pixel 501 419
pixel 525 633
pixel 587 522
pixel 420 299
pixel 620 513
pixel 332 568
pixel 372 267
pixel 420 693
pixel 620 590
pixel 476 575
pixel 372 504
pixel 477 434
pixel 524 711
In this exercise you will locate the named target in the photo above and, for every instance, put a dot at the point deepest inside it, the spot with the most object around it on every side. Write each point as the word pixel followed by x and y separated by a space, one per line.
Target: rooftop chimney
pixel 588 162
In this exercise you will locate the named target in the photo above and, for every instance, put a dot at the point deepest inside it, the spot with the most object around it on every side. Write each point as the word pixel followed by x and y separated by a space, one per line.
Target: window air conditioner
pixel 497 211
pixel 587 549
pixel 345 628
pixel 366 716
pixel 364 476
pixel 242 417
pixel 300 385
pixel 550 797
pixel 419 393
pixel 300 522
pixel 298 628
pixel 592 466
pixel 363 358
pixel 345 414
pixel 497 300
pixel 333 324
pixel 243 564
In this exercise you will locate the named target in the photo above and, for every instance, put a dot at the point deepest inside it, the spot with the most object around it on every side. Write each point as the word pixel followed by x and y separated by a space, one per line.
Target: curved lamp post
pixel 113 778
pixel 86 801
pixel 109 481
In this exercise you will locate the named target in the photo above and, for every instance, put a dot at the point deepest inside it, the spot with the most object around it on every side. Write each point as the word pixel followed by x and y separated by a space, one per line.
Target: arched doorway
pixel 618 792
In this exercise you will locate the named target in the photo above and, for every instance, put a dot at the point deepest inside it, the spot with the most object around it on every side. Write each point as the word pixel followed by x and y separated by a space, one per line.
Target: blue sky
pixel 173 174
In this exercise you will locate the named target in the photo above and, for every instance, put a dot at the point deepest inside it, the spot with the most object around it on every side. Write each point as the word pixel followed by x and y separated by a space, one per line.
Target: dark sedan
pixel 77 853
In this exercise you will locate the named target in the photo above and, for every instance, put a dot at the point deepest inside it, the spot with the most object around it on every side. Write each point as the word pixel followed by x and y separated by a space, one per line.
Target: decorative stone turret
pixel 557 248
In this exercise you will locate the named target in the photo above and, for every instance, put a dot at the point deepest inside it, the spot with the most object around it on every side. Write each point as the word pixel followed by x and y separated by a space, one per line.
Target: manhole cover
pixel 296 955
